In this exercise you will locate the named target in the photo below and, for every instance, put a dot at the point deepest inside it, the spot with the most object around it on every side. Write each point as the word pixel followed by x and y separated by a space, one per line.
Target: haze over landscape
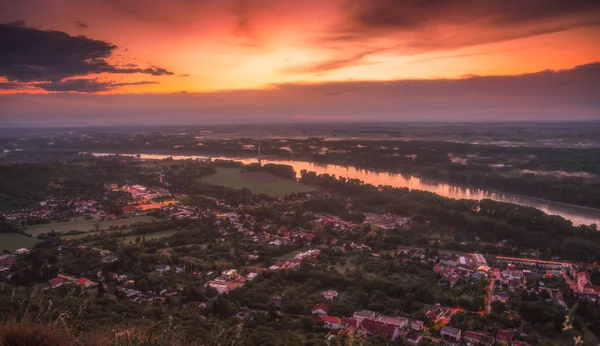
pixel 72 62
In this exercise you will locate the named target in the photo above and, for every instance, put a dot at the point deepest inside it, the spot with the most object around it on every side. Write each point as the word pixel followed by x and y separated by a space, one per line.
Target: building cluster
pixel 55 209
pixel 471 267
pixel 369 323
pixel 469 337
pixel 578 279
pixel 228 281
pixel 386 221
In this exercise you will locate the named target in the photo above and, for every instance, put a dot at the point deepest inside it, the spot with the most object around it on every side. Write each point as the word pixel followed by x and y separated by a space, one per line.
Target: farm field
pixel 13 241
pixel 257 182
pixel 81 224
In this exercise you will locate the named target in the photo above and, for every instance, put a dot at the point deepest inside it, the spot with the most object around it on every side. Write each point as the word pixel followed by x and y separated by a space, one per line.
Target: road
pixel 490 291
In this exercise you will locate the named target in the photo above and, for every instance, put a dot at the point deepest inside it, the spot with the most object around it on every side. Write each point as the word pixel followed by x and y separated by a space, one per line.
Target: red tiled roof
pixel 321 306
pixel 480 337
pixel 503 335
pixel 378 328
pixel 350 322
pixel 331 319
pixel 55 281
pixel 82 281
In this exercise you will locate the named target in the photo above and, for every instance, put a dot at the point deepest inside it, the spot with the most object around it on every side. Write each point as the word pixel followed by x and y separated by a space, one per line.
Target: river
pixel 577 214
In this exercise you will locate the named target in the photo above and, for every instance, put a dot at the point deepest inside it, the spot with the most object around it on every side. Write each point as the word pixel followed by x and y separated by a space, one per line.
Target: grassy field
pixel 13 241
pixel 81 224
pixel 257 182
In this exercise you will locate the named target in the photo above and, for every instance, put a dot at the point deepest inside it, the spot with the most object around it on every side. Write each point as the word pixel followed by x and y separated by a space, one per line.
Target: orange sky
pixel 223 45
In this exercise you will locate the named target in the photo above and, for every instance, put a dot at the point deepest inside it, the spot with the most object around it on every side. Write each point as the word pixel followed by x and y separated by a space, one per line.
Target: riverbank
pixel 576 214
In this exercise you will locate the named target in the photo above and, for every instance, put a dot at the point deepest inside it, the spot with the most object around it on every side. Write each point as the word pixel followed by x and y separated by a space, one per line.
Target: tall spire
pixel 259 156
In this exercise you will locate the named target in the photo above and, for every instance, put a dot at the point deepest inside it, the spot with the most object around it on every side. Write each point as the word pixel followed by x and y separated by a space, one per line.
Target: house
pixel 329 295
pixel 22 251
pixel 7 261
pixel 451 333
pixel 431 314
pixel 501 296
pixel 220 287
pixel 478 338
pixel 320 309
pixel 110 259
pixel 349 322
pixel 372 327
pixel 161 268
pixel 364 315
pixel 417 325
pixel 251 276
pixel 276 300
pixel 520 343
pixel 399 322
pixel 504 336
pixel 85 282
pixel 229 274
pixel 56 282
pixel 413 337
pixel 331 322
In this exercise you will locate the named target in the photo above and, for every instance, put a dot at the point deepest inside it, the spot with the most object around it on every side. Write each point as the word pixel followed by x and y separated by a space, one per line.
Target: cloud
pixel 81 24
pixel 85 85
pixel 243 15
pixel 422 25
pixel 34 55
pixel 564 95
pixel 332 64
pixel 11 86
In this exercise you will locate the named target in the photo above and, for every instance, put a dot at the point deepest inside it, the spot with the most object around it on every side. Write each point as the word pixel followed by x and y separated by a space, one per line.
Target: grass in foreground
pixel 257 182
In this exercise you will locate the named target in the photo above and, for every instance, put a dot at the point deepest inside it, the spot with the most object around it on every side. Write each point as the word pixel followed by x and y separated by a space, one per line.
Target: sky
pixel 194 61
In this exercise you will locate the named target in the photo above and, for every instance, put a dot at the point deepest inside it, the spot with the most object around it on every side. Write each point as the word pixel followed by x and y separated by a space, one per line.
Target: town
pixel 292 258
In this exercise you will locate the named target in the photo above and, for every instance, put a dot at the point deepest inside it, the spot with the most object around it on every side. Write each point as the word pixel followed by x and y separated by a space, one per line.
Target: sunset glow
pixel 209 46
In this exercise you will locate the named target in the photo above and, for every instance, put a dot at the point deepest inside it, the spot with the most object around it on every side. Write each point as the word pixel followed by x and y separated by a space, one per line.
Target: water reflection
pixel 578 215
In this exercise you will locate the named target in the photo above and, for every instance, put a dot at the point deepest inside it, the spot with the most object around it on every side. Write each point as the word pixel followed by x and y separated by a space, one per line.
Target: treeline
pixel 24 185
pixel 486 166
pixel 282 171
pixel 160 226
pixel 487 220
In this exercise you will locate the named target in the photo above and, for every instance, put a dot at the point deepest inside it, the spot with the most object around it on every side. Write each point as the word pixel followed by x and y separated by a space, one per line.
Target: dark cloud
pixel 17 23
pixel 81 24
pixel 85 85
pixel 11 86
pixel 482 21
pixel 34 55
pixel 243 16
pixel 547 95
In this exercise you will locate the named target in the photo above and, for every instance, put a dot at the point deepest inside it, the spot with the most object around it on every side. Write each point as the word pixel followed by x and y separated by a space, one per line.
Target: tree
pixel 142 285
pixel 101 290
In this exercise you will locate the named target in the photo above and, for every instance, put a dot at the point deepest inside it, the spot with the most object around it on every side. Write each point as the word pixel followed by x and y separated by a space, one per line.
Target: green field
pixel 81 224
pixel 13 241
pixel 257 182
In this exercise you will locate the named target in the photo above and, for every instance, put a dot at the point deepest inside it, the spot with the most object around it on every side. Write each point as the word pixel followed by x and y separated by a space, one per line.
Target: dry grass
pixel 50 325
